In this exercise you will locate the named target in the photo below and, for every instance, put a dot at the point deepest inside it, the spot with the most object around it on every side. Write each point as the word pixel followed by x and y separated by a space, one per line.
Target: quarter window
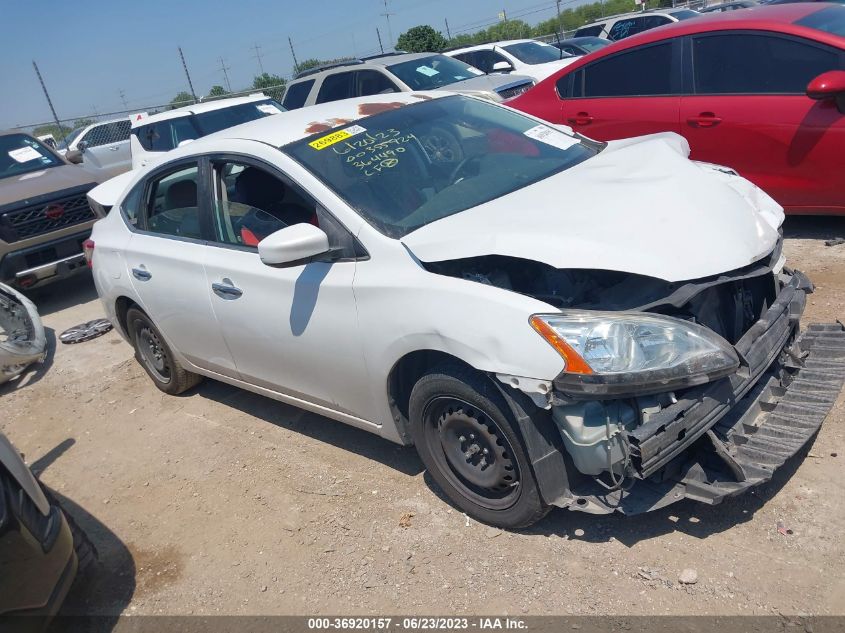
pixel 172 206
pixel 743 63
pixel 641 72
pixel 372 82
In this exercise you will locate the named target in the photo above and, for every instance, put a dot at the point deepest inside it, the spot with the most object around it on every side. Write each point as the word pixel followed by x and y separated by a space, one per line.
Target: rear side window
pixel 336 87
pixel 631 26
pixel 172 208
pixel 743 63
pixel 485 59
pixel 297 94
pixel 372 82
pixel 165 135
pixel 107 133
pixel 590 31
pixel 640 72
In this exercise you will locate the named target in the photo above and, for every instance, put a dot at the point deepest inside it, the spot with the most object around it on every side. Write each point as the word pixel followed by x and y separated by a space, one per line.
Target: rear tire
pixel 154 355
pixel 466 437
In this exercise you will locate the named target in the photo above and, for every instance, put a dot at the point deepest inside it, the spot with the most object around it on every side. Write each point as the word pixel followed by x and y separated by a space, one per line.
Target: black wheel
pixel 152 352
pixel 465 436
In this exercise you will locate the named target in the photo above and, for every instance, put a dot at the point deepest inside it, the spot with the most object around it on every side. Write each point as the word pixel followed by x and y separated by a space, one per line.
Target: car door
pixel 293 329
pixel 107 147
pixel 628 94
pixel 747 108
pixel 164 260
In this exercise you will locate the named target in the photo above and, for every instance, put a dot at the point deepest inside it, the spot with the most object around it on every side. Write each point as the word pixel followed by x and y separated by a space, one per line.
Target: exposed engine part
pixel 86 331
pixel 22 338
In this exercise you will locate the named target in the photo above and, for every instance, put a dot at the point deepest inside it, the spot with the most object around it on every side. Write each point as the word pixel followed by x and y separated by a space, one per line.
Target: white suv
pixel 154 135
pixel 618 27
pixel 527 57
pixel 102 147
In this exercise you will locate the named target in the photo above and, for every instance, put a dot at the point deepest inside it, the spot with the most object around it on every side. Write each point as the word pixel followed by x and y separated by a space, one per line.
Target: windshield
pixel 400 172
pixel 216 120
pixel 684 14
pixel 830 20
pixel 20 154
pixel 428 73
pixel 533 52
pixel 591 44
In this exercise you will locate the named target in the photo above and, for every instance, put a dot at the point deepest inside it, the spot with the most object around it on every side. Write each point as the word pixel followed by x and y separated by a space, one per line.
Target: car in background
pixel 49 140
pixel 618 27
pixel 42 549
pixel 580 45
pixel 729 6
pixel 535 59
pixel 793 1
pixel 152 135
pixel 398 72
pixel 764 92
pixel 550 320
pixel 102 147
pixel 44 213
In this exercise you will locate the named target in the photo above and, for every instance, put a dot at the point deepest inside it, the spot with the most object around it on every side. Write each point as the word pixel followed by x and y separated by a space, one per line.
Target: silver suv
pixel 102 147
pixel 398 72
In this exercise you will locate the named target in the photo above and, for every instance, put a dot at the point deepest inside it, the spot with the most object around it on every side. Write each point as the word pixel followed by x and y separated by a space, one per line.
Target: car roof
pixel 633 14
pixel 293 125
pixel 358 64
pixel 196 108
pixel 487 45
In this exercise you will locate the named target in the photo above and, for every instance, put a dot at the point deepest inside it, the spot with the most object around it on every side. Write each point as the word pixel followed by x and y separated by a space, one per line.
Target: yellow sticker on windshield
pixel 336 137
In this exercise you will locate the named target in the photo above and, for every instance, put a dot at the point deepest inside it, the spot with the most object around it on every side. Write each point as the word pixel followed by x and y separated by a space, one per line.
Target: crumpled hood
pixel 487 83
pixel 639 206
pixel 48 180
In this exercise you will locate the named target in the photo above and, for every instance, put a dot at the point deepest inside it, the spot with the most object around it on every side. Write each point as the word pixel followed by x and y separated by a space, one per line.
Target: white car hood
pixel 639 206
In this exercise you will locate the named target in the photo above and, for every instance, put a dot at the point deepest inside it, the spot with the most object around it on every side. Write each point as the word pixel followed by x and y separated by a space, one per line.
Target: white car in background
pixel 551 321
pixel 536 59
pixel 101 147
pixel 153 135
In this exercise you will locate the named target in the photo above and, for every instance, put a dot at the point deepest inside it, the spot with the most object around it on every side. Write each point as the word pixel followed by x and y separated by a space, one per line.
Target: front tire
pixel 153 354
pixel 467 439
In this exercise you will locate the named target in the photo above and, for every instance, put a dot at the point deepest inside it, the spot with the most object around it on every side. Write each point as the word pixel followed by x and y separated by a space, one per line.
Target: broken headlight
pixel 620 354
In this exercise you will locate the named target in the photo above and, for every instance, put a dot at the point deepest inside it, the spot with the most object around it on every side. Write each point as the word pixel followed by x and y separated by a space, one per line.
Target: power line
pixel 123 98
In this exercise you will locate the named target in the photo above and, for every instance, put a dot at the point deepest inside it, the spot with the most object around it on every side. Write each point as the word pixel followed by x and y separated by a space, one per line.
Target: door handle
pixel 114 148
pixel 705 119
pixel 141 274
pixel 582 118
pixel 226 290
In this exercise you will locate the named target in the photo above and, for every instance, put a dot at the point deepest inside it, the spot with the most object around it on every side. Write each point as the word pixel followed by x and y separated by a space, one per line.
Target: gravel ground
pixel 221 501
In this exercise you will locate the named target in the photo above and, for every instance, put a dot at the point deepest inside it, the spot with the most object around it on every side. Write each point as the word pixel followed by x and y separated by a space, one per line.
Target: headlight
pixel 619 354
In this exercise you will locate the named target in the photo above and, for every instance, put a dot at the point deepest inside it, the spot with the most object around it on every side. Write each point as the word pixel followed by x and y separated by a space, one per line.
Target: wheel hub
pixel 153 352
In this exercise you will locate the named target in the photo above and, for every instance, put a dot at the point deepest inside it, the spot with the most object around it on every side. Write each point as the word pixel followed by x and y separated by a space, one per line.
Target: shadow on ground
pixel 61 295
pixel 811 227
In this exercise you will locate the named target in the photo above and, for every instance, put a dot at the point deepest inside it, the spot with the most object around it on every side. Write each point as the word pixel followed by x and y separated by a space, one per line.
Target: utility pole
pixel 257 49
pixel 188 75
pixel 387 15
pixel 225 70
pixel 123 99
pixel 293 54
pixel 379 40
pixel 47 94
pixel 447 28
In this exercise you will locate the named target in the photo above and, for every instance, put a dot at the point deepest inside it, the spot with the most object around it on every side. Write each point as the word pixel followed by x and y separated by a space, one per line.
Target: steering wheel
pixel 457 172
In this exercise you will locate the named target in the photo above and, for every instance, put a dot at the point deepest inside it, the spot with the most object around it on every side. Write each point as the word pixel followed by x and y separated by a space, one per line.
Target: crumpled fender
pixel 25 341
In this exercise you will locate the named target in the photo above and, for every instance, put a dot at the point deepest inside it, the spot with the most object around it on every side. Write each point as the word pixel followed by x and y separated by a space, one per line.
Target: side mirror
pixel 829 85
pixel 293 245
pixel 502 67
pixel 74 156
pixel 82 146
pixel 185 142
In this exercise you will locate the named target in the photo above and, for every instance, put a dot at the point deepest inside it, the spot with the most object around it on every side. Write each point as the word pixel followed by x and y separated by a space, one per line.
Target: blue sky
pixel 89 50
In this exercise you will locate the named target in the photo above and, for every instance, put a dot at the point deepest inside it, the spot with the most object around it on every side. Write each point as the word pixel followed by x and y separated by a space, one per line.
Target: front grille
pixel 509 92
pixel 45 217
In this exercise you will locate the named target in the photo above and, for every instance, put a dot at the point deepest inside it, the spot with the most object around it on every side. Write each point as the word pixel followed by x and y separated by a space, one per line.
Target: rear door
pixel 747 108
pixel 628 94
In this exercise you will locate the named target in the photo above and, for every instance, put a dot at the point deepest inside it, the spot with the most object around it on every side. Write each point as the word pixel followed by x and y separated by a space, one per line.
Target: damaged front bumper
pixel 720 439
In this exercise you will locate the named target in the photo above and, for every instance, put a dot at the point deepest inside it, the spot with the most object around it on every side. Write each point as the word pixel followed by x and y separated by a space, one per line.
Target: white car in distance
pixel 539 348
pixel 537 60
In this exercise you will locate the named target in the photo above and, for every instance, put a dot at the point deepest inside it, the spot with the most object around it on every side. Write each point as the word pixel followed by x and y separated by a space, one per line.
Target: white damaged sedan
pixel 550 320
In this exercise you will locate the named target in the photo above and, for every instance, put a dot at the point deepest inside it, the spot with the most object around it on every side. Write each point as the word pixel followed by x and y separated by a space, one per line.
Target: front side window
pixel 641 72
pixel 172 206
pixel 428 73
pixel 164 136
pixel 296 94
pixel 372 82
pixel 381 168
pixel 336 87
pixel 250 203
pixel 744 63
pixel 20 153
pixel 224 118
pixel 533 52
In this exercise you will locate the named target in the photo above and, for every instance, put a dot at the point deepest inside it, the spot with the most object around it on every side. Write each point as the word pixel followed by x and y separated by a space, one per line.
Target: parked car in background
pixel 535 59
pixel 549 320
pixel 155 134
pixel 580 45
pixel 764 94
pixel 42 549
pixel 49 140
pixel 44 214
pixel 729 6
pixel 793 1
pixel 102 147
pixel 618 27
pixel 400 72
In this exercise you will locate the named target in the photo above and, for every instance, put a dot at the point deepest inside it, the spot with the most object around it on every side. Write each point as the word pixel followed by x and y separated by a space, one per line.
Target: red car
pixel 761 90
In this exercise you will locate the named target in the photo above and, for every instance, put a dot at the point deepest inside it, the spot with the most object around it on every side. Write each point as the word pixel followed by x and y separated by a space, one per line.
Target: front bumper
pixel 721 439
pixel 48 261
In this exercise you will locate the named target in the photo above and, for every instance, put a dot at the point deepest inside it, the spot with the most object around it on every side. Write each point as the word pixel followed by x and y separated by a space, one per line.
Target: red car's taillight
pixel 88 251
